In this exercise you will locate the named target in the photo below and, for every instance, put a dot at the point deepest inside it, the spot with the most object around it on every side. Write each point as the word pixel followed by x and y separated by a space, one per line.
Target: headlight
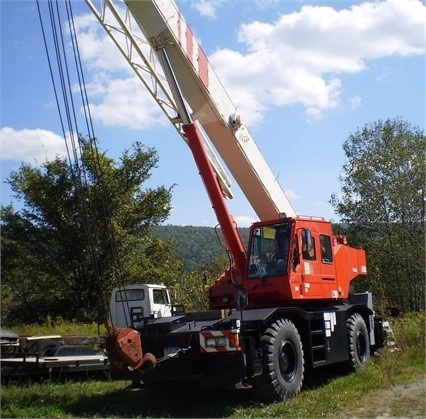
pixel 210 343
pixel 221 341
pixel 213 342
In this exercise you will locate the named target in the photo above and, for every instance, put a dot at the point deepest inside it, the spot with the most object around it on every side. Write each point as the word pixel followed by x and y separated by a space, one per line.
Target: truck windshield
pixel 130 295
pixel 269 250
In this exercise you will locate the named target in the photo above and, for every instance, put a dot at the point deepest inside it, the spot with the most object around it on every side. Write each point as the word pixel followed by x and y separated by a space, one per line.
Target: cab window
pixel 308 245
pixel 130 295
pixel 296 255
pixel 160 296
pixel 270 248
pixel 326 252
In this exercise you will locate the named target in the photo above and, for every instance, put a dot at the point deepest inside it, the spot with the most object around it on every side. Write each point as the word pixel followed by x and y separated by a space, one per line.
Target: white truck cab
pixel 130 304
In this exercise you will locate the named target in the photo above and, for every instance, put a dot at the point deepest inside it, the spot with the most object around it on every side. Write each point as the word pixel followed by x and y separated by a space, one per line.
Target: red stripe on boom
pixel 188 47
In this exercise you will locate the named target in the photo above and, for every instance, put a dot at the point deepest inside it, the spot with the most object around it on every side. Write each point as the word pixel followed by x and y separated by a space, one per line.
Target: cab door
pixel 161 306
pixel 311 269
pixel 318 270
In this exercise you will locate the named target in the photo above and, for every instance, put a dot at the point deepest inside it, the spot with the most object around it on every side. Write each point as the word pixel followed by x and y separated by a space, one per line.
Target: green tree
pixel 192 289
pixel 383 203
pixel 196 245
pixel 82 228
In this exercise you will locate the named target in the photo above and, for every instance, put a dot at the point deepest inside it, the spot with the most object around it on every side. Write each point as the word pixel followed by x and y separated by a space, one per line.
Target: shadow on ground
pixel 184 400
pixel 167 402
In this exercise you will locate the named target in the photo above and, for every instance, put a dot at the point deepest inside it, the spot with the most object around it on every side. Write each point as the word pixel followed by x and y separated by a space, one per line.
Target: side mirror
pixel 307 240
pixel 242 298
pixel 102 317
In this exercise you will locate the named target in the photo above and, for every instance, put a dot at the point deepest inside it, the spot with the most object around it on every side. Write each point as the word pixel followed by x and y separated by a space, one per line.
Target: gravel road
pixel 400 401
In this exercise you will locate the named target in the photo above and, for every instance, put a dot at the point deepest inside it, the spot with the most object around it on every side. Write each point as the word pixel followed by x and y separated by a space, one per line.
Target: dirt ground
pixel 400 401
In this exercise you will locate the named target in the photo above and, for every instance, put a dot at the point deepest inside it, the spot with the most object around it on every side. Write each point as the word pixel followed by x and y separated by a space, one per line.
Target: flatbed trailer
pixel 49 356
pixel 28 364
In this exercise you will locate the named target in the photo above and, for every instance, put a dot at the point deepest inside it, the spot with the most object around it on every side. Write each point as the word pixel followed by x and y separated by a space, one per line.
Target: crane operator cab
pixel 269 252
pixel 298 258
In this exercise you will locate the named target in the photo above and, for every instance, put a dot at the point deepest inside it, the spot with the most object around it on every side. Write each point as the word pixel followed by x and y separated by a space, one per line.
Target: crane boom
pixel 147 66
pixel 163 27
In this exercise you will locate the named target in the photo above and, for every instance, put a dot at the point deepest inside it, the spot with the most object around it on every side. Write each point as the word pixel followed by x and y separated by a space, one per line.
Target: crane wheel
pixel 283 362
pixel 358 341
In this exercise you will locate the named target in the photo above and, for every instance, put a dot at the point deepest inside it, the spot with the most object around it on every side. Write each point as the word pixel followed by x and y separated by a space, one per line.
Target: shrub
pixel 409 331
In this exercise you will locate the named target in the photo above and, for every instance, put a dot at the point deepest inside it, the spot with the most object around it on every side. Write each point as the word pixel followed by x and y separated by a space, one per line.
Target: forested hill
pixel 199 245
pixel 195 245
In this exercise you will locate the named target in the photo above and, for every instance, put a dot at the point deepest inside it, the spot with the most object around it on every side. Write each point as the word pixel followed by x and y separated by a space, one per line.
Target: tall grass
pixel 58 326
pixel 410 331
pixel 327 393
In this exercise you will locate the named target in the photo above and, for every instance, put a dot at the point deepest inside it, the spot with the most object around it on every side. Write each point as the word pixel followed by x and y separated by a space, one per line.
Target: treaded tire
pixel 283 362
pixel 45 347
pixel 358 341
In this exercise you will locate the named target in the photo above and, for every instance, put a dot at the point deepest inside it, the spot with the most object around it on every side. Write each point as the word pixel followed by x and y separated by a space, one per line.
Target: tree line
pixel 85 225
pixel 195 245
pixel 383 202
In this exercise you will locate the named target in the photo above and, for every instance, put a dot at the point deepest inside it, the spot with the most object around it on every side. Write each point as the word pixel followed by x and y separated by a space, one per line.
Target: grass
pixel 338 393
pixel 57 327
pixel 327 392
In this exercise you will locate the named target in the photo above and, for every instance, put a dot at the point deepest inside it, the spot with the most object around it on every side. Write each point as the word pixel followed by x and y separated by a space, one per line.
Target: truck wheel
pixel 358 340
pixel 46 347
pixel 282 362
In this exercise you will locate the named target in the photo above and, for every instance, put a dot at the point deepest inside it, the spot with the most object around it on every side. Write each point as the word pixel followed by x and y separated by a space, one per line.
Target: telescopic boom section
pixel 211 182
pixel 228 225
pixel 163 26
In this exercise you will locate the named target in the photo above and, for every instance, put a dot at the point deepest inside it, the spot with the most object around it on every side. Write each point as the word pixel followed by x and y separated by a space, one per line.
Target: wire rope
pixel 64 98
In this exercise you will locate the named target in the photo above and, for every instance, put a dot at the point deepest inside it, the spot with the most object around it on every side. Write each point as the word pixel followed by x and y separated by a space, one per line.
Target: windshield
pixel 130 295
pixel 269 250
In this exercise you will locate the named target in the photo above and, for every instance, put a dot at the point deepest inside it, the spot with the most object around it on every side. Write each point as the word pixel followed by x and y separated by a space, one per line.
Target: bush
pixel 409 331
pixel 57 326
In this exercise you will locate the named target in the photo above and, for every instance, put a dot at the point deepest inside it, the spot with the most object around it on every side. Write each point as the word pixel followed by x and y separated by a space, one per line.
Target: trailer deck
pixel 15 365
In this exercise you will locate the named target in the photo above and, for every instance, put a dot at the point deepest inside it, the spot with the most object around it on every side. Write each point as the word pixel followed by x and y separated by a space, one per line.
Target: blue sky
pixel 303 74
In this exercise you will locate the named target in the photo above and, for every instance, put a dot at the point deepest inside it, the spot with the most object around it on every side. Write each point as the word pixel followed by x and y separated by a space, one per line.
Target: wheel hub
pixel 287 361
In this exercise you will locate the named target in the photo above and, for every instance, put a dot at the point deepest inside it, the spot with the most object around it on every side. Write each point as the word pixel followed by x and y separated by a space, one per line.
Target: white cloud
pixel 291 194
pixel 207 8
pixel 244 221
pixel 298 58
pixel 355 102
pixel 313 113
pixel 117 96
pixel 386 72
pixel 96 48
pixel 123 102
pixel 37 145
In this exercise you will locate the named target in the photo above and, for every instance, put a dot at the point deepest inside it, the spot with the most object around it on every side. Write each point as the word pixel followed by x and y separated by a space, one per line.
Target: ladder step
pixel 318 347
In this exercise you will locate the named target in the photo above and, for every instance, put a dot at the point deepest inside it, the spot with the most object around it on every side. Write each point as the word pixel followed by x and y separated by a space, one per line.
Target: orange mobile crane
pixel 284 305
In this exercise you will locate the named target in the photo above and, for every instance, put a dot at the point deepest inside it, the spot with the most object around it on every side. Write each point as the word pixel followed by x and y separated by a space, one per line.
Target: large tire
pixel 358 341
pixel 46 347
pixel 283 362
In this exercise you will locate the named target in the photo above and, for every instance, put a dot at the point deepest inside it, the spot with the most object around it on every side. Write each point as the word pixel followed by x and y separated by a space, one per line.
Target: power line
pixel 65 102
